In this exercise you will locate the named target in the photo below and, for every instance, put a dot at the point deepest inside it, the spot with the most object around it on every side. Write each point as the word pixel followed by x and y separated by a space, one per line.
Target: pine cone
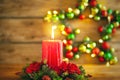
pixel 46 77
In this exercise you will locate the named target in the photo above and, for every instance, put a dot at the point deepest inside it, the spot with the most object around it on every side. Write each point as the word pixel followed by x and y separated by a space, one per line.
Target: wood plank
pixel 26 53
pixel 26 30
pixel 22 30
pixel 20 8
pixel 32 7
pixel 98 72
pixel 20 53
pixel 101 72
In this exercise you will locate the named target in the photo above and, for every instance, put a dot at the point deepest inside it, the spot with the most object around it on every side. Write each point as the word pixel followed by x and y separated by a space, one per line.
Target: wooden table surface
pixel 98 72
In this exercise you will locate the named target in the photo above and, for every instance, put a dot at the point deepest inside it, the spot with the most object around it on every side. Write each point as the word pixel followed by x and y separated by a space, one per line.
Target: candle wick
pixel 53 28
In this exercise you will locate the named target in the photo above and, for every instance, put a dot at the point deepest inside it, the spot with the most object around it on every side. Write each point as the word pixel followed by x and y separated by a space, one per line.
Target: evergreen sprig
pixel 45 72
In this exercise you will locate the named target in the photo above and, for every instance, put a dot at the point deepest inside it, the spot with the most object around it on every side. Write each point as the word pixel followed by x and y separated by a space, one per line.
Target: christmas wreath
pixel 41 71
pixel 100 48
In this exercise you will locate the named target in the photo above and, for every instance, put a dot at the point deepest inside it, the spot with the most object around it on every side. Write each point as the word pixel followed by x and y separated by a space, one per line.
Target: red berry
pixel 119 26
pixel 113 30
pixel 96 51
pixel 64 44
pixel 69 42
pixel 75 49
pixel 68 30
pixel 81 17
pixel 93 3
pixel 101 59
pixel 100 29
pixel 77 5
pixel 104 13
pixel 69 54
pixel 111 17
pixel 105 45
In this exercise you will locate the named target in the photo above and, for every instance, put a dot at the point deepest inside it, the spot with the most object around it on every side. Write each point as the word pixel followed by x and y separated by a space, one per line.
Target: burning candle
pixel 52 51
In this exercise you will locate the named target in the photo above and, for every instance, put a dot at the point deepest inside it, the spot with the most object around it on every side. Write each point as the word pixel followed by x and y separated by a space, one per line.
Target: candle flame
pixel 53 28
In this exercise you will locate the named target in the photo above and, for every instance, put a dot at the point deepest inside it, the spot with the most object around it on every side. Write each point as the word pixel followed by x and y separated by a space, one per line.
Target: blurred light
pixel 55 12
pixel 53 29
pixel 66 60
pixel 93 55
pixel 91 16
pixel 49 12
pixel 100 41
pixel 65 41
pixel 107 64
pixel 70 9
pixel 64 33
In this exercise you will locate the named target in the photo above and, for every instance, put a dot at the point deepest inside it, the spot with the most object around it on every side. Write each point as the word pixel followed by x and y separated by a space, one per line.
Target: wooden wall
pixel 22 29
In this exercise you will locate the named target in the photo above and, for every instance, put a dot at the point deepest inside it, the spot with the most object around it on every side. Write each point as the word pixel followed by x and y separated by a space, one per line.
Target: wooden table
pixel 99 72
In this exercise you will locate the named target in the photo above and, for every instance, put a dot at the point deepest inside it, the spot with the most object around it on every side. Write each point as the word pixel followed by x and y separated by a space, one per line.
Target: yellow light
pixel 94 11
pixel 70 9
pixel 103 8
pixel 88 51
pixel 53 29
pixel 116 24
pixel 107 64
pixel 61 27
pixel 101 53
pixel 100 41
pixel 84 3
pixel 114 60
pixel 77 56
pixel 93 55
pixel 91 16
pixel 49 12
pixel 93 44
pixel 76 11
pixel 88 45
pixel 69 47
pixel 109 19
pixel 49 16
pixel 66 60
pixel 64 33
pixel 55 12
pixel 77 31
pixel 82 48
pixel 65 41
pixel 47 19
pixel 112 50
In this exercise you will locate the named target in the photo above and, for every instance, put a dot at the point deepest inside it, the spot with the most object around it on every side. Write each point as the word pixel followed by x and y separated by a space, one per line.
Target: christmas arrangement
pixel 100 48
pixel 52 67
pixel 41 71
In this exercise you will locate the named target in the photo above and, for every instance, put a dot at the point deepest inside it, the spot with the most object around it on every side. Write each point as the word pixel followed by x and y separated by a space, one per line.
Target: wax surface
pixel 52 52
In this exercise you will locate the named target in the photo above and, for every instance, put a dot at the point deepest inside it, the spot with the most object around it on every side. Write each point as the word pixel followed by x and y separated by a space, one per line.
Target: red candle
pixel 52 52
